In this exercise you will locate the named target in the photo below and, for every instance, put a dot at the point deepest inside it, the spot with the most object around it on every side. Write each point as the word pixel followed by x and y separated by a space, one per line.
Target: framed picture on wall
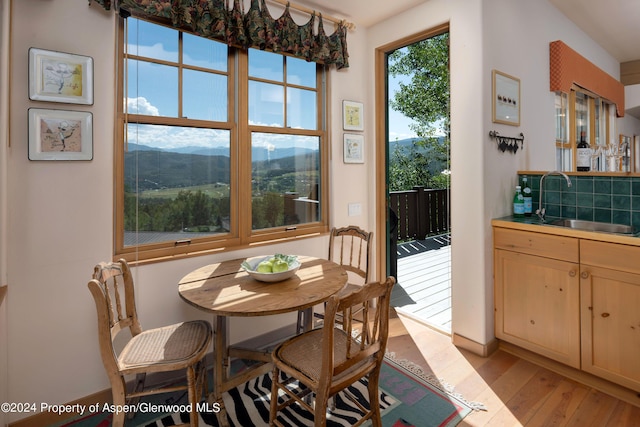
pixel 505 99
pixel 60 77
pixel 353 148
pixel 60 135
pixel 352 115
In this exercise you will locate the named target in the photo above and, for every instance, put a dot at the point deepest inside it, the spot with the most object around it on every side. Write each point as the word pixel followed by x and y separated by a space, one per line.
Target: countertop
pixel 533 223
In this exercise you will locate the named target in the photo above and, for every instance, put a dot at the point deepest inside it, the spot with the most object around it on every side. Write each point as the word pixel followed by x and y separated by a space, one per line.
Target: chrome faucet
pixel 541 210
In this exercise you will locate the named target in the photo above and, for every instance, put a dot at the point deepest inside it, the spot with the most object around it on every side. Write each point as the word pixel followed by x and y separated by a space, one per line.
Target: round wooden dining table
pixel 226 290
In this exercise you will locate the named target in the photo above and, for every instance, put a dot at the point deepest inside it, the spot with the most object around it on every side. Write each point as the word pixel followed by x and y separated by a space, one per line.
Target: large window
pixel 220 147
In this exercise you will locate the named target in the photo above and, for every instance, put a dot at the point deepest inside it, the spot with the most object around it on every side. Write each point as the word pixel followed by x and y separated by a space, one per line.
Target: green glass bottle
pixel 518 203
pixel 526 193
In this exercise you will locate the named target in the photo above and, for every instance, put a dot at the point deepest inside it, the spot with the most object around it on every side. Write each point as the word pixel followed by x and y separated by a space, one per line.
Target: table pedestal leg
pixel 220 365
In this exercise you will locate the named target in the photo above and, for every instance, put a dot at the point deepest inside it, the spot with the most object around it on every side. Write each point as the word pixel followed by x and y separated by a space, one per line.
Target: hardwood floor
pixel 515 392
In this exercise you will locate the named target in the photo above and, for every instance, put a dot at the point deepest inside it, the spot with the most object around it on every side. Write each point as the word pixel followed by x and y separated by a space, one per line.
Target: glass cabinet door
pixel 581 113
pixel 564 156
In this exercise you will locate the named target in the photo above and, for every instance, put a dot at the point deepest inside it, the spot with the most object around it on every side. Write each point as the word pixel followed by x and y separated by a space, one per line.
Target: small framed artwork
pixel 353 148
pixel 60 135
pixel 506 99
pixel 60 77
pixel 352 115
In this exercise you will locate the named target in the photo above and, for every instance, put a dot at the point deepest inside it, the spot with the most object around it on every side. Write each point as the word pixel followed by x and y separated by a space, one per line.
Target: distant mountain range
pixel 257 153
pixel 149 168
pixel 407 143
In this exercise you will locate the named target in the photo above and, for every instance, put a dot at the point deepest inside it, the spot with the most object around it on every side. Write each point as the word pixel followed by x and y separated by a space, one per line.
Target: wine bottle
pixel 518 203
pixel 583 154
pixel 526 194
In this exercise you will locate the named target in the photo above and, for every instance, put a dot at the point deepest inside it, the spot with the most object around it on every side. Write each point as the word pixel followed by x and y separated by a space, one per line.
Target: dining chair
pixel 348 246
pixel 178 347
pixel 321 362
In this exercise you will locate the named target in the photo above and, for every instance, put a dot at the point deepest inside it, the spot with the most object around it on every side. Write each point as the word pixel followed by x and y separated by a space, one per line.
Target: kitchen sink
pixel 604 227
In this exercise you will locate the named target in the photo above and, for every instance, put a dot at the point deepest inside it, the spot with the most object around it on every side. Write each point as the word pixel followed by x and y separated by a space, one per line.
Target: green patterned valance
pixel 256 28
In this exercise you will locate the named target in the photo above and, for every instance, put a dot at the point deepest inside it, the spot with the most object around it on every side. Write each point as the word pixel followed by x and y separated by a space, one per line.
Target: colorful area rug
pixel 408 397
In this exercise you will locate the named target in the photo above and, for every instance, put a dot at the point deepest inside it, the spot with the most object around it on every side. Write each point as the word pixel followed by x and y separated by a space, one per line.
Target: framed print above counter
pixel 505 99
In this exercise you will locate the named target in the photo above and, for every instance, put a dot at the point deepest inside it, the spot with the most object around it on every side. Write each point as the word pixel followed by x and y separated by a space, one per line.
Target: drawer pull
pixel 572 273
pixel 605 315
pixel 584 274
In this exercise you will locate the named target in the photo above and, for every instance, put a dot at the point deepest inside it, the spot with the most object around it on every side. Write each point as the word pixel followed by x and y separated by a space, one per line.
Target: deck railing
pixel 421 212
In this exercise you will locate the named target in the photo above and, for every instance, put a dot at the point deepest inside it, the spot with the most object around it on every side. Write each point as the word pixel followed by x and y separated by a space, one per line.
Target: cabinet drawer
pixel 546 245
pixel 610 255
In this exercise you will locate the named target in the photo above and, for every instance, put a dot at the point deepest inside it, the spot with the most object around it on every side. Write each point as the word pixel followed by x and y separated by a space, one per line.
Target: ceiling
pixel 613 24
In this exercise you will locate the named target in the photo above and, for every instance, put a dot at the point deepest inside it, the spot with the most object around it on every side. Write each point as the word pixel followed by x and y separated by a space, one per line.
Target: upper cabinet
pixel 588 101
pixel 586 134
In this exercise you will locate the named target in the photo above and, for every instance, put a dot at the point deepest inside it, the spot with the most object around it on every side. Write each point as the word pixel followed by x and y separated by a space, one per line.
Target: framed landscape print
pixel 60 77
pixel 506 99
pixel 60 135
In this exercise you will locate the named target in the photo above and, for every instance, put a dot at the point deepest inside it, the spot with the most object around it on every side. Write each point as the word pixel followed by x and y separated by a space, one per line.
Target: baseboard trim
pixel 483 350
pixel 627 395
pixel 44 419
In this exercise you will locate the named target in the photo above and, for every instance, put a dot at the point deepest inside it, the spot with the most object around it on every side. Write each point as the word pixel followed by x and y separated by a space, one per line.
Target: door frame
pixel 381 95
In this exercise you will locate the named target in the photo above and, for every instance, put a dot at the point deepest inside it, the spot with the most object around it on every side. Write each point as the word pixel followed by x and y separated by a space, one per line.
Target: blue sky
pixel 398 123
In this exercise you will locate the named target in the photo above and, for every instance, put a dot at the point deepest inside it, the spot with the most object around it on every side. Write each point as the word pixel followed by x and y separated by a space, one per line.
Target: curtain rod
pixel 349 25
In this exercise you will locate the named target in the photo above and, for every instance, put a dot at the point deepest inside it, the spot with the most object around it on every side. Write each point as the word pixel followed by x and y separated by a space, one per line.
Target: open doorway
pixel 417 170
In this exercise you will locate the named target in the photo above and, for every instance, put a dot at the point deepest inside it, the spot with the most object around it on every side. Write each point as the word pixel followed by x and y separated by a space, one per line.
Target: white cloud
pixel 140 105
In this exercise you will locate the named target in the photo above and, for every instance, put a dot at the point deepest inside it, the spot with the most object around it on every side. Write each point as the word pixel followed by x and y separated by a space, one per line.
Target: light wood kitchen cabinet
pixel 537 293
pixel 610 308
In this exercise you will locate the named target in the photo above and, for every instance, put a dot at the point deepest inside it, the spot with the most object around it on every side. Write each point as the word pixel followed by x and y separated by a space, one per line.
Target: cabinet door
pixel 537 304
pixel 611 324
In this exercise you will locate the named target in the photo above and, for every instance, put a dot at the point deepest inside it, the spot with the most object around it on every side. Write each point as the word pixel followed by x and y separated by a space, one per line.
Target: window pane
pixel 204 96
pixel 152 89
pixel 176 182
pixel 205 53
pixel 266 65
pixel 301 109
pixel 152 41
pixel 266 104
pixel 285 180
pixel 301 72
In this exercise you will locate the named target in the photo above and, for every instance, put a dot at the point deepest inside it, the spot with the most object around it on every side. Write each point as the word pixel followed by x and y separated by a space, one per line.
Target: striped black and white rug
pixel 248 406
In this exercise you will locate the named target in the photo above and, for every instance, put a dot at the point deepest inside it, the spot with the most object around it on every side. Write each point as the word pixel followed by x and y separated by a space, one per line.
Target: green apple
pixel 279 266
pixel 264 267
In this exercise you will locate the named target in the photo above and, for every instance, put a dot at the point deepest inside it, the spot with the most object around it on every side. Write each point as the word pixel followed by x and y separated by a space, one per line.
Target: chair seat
pixel 304 352
pixel 167 347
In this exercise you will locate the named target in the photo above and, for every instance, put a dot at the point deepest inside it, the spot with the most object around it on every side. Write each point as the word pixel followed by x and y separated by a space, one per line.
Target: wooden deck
pixel 423 291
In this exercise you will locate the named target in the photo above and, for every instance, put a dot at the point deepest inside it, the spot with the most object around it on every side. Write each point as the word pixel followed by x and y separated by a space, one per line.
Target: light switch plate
pixel 355 209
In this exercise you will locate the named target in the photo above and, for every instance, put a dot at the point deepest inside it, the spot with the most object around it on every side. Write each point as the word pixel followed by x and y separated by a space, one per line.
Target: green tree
pixel 425 100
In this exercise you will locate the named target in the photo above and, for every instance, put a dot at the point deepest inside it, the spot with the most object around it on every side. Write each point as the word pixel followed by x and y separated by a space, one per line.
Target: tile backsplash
pixel 592 198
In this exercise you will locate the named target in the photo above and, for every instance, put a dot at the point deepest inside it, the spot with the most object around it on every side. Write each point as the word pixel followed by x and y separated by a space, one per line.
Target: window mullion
pixel 243 144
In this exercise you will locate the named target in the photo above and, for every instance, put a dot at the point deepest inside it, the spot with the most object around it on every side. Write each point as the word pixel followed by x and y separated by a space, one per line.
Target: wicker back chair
pixel 171 348
pixel 329 359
